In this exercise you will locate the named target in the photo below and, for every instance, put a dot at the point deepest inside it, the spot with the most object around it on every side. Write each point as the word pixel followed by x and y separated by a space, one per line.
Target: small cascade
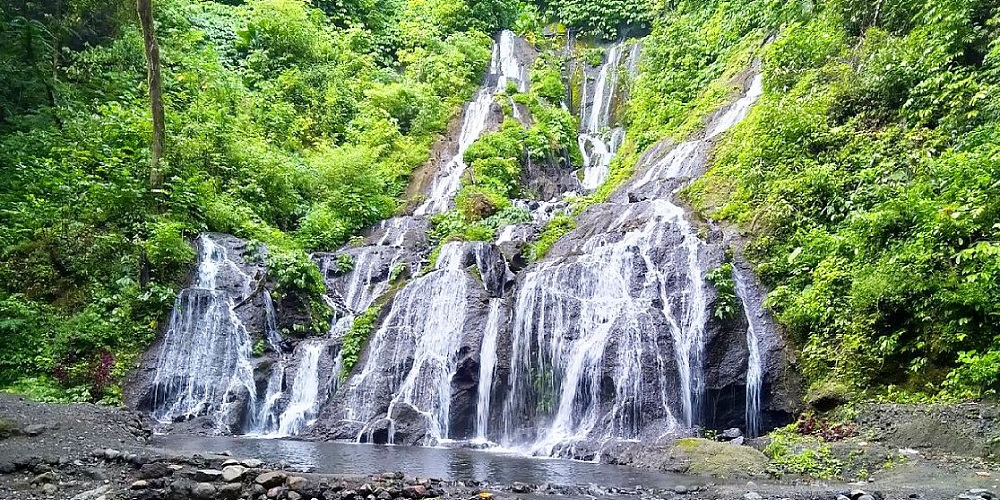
pixel 600 137
pixel 607 316
pixel 738 110
pixel 265 419
pixel 204 367
pixel 413 357
pixel 512 70
pixel 505 69
pixel 755 362
pixel 487 368
pixel 305 398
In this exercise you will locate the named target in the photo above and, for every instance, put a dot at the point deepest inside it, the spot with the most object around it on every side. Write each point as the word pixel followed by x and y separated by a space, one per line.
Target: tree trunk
pixel 145 9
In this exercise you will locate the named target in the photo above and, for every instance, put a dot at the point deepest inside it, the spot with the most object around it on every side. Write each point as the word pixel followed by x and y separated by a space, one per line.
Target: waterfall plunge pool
pixel 448 464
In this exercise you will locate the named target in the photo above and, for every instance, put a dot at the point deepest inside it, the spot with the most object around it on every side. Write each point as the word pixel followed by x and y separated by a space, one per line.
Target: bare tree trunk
pixel 145 9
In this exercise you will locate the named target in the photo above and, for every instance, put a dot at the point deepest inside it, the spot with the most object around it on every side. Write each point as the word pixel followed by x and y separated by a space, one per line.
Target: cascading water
pixel 487 368
pixel 602 317
pixel 265 419
pixel 505 69
pixel 603 340
pixel 413 356
pixel 755 362
pixel 594 326
pixel 204 364
pixel 305 398
pixel 600 137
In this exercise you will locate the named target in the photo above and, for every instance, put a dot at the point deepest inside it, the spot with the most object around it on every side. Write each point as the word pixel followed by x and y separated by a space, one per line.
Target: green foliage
pixel 167 248
pixel 289 125
pixel 792 453
pixel 343 263
pixel 356 338
pixel 49 391
pixel 605 19
pixel 555 229
pixel 866 177
pixel 727 304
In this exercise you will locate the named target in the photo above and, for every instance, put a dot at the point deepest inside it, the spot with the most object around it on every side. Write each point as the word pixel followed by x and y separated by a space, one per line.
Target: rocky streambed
pixel 88 452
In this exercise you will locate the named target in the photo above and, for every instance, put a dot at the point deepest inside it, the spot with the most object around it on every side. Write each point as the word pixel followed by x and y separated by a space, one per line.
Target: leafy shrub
pixel 294 272
pixel 791 453
pixel 810 425
pixel 727 304
pixel 555 229
pixel 606 19
pixel 476 203
pixel 167 248
pixel 357 337
pixel 343 263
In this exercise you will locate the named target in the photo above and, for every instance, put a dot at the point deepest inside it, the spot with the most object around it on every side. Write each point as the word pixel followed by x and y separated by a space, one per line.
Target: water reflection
pixel 450 464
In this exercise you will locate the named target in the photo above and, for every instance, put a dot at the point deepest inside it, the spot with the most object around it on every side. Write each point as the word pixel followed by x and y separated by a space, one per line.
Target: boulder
pixel 230 491
pixel 271 479
pixel 297 483
pixel 231 473
pixel 203 491
pixel 154 470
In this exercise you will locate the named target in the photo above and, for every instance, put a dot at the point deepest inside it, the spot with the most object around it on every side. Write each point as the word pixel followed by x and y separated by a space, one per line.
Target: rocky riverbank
pixel 88 452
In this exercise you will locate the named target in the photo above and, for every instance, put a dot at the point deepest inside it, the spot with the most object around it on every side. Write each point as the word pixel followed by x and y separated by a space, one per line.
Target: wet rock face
pixel 227 277
pixel 609 294
pixel 417 381
pixel 409 233
pixel 513 241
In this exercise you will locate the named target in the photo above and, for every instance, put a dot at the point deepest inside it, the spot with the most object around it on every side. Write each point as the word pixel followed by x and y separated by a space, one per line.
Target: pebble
pixel 231 491
pixel 34 430
pixel 292 495
pixel 49 489
pixel 752 495
pixel 680 489
pixel 140 485
pixel 419 491
pixel 252 463
pixel 112 454
pixel 155 470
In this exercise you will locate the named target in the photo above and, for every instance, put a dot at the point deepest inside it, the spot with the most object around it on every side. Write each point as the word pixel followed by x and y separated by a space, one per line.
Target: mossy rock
pixel 8 428
pixel 827 395
pixel 722 460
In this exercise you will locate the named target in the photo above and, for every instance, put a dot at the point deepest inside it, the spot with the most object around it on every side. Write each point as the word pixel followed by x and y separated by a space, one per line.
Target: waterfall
pixel 204 363
pixel 609 333
pixel 304 402
pixel 597 141
pixel 604 315
pixel 487 368
pixel 417 342
pixel 755 371
pixel 738 110
pixel 505 67
pixel 265 420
